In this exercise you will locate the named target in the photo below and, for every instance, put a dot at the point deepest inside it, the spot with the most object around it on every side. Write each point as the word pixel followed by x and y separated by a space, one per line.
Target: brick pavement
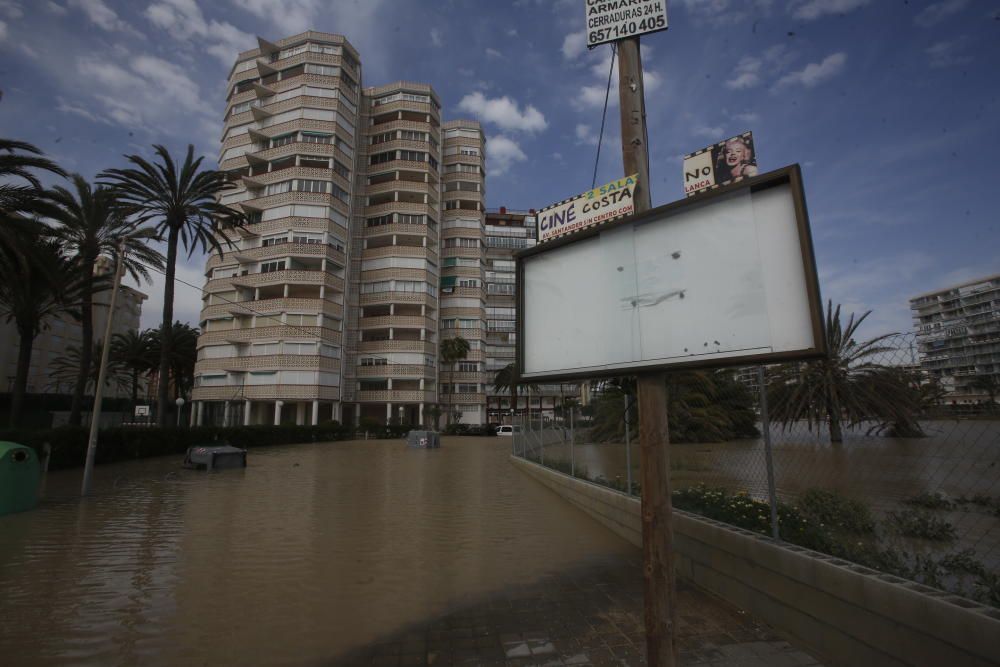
pixel 590 616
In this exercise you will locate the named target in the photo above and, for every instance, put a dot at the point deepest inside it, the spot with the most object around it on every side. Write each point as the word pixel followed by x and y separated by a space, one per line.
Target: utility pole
pixel 95 413
pixel 660 588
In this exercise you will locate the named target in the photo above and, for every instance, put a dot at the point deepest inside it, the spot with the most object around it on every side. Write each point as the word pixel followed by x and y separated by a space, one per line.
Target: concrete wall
pixel 845 613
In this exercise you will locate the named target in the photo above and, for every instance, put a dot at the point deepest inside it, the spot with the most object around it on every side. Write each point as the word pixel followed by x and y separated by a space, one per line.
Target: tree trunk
pixel 163 381
pixel 86 343
pixel 513 402
pixel 27 335
pixel 836 434
pixel 135 389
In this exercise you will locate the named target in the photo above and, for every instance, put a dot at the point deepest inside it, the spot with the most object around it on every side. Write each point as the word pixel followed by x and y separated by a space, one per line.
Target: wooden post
pixel 657 528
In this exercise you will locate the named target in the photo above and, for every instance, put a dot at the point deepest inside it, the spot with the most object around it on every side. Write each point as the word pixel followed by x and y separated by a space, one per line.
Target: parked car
pixel 508 430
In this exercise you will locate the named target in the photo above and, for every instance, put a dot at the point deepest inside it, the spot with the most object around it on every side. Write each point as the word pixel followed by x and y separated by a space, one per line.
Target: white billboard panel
pixel 724 279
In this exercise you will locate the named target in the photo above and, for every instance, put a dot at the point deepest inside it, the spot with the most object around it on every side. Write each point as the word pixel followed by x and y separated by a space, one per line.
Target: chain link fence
pixel 910 487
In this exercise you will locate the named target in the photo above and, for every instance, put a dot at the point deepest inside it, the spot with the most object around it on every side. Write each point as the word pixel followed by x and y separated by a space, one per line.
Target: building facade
pixel 958 337
pixel 506 232
pixel 363 249
pixel 63 333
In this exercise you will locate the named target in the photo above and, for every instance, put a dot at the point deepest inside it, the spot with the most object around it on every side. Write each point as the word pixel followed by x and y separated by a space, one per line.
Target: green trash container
pixel 20 474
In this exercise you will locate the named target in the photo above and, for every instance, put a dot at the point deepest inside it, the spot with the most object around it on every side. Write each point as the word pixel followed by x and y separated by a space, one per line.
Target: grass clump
pixel 921 524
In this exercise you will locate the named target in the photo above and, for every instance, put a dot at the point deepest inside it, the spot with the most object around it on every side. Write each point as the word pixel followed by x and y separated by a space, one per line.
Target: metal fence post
pixel 765 427
pixel 628 449
pixel 572 447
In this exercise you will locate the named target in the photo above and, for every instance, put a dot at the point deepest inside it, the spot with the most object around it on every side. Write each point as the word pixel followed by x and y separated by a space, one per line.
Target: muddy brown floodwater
pixel 311 551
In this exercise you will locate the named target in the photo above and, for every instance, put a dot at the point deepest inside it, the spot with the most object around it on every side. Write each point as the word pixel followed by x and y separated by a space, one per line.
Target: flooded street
pixel 311 551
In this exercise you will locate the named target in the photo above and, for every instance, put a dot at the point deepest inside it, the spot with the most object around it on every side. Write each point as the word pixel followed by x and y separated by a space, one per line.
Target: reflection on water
pixel 312 550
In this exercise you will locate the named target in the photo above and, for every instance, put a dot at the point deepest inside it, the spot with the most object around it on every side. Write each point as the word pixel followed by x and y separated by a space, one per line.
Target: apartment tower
pixel 365 217
pixel 958 338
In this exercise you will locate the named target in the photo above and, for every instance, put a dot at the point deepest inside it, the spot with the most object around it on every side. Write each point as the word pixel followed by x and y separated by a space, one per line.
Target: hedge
pixel 69 443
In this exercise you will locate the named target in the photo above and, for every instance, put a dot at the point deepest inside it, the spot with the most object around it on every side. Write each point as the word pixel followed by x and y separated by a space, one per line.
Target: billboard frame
pixel 792 176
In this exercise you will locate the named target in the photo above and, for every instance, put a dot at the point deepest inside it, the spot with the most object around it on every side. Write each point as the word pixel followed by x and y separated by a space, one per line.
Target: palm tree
pixel 506 380
pixel 182 201
pixel 89 224
pixel 42 291
pixel 133 350
pixel 181 357
pixel 19 202
pixel 66 369
pixel 452 351
pixel 845 384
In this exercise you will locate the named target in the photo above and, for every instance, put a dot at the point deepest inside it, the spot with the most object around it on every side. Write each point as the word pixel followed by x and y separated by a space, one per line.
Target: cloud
pixel 726 12
pixel 935 13
pixel 102 16
pixel 592 96
pixel 493 53
pixel 502 152
pixel 512 32
pixel 184 21
pixel 814 74
pixel 574 44
pixel 710 132
pixel 55 8
pixel 748 117
pixel 436 37
pixel 11 9
pixel 3 31
pixel 152 94
pixel 749 71
pixel 504 112
pixel 811 10
pixel 948 53
pixel 585 134
pixel 67 107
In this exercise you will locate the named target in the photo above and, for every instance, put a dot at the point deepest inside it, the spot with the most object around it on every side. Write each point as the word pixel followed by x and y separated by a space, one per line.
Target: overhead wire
pixel 604 115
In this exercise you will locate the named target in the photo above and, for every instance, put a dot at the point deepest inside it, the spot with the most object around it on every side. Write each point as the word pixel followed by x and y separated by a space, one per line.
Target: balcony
pixel 280 249
pixel 396 396
pixel 378 298
pixel 395 371
pixel 400 321
pixel 402 229
pixel 278 332
pixel 271 306
pixel 270 362
pixel 266 392
pixel 419 252
pixel 374 346
pixel 294 197
pixel 291 276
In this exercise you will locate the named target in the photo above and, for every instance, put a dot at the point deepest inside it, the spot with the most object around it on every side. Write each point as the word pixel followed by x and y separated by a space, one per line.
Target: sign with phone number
pixel 611 20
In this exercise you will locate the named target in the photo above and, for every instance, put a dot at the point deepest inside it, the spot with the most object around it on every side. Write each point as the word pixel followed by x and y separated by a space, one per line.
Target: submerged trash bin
pixel 423 439
pixel 215 457
pixel 20 474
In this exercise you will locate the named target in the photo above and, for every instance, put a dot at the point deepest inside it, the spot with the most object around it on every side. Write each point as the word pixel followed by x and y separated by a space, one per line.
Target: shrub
pixel 69 443
pixel 922 524
pixel 930 501
pixel 837 512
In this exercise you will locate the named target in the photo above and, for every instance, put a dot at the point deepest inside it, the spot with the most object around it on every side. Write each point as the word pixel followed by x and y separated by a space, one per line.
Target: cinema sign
pixel 610 201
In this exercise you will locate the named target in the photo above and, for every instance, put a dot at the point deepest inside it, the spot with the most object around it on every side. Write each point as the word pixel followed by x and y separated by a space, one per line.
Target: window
pixel 380 158
pixel 380 286
pixel 410 219
pixel 282 140
pixel 468 283
pixel 412 156
pixel 349 59
pixel 340 194
pixel 212 380
pixel 240 108
pixel 325 48
pixel 303 185
pixel 304 237
pixel 296 320
pixel 468 366
pixel 461 243
pixel 273 240
pixel 383 137
pixel 411 135
pixel 317 138
pixel 299 348
pixel 262 349
pixel 495 288
pixel 293 51
pixel 326 350
pixel 466 388
pixel 373 361
pixel 341 169
pixel 432 162
pixel 278 188
pixel 262 377
pixel 269 267
pixel 380 220
pixel 218 351
pixel 324 70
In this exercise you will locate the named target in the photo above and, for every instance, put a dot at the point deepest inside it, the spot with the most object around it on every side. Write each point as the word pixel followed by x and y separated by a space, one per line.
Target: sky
pixel 889 106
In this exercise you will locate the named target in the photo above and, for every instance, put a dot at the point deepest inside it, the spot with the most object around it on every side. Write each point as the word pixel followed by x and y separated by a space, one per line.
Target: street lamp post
pixel 180 407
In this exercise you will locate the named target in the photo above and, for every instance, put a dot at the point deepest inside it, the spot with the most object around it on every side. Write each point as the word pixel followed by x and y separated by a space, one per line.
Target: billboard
pixel 611 21
pixel 607 202
pixel 720 164
pixel 723 279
